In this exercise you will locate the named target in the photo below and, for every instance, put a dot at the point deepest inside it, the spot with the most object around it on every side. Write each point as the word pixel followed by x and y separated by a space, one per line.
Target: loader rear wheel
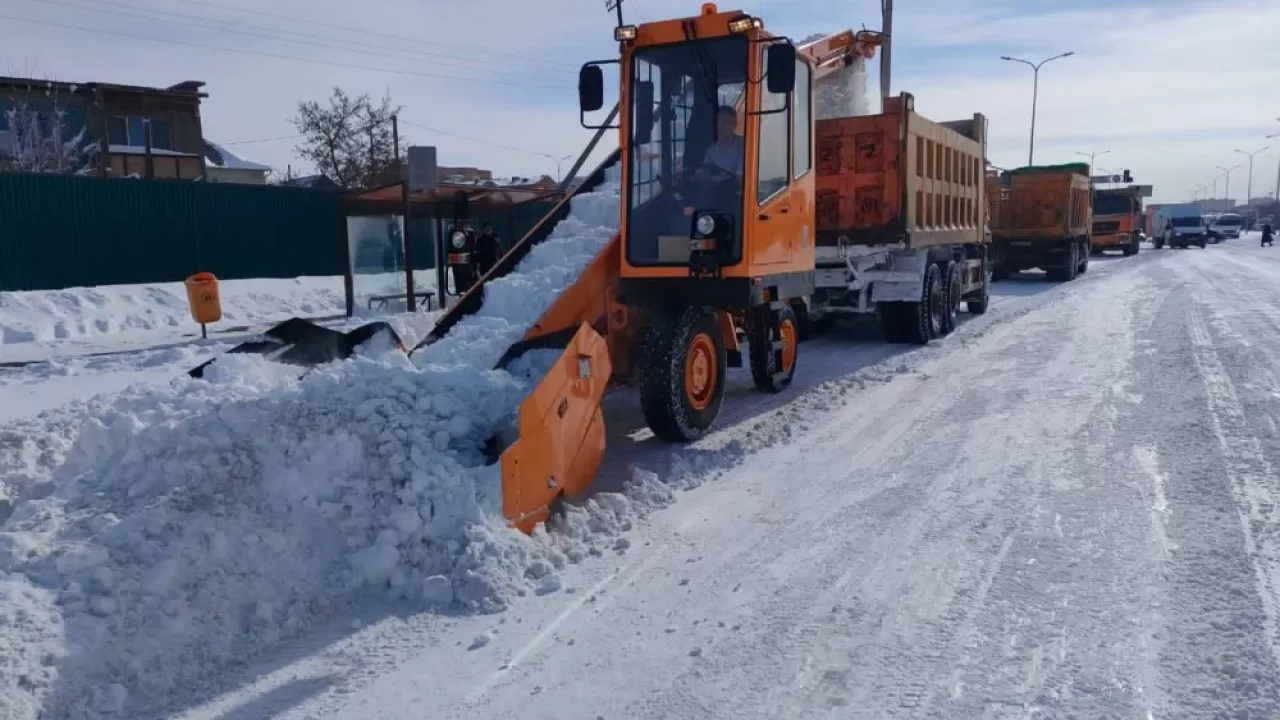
pixel 773 352
pixel 682 371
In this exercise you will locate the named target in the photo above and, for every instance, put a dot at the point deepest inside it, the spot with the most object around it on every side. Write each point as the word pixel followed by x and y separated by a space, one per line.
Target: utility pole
pixel 1035 94
pixel 1227 173
pixel 1276 135
pixel 886 48
pixel 1248 193
pixel 411 303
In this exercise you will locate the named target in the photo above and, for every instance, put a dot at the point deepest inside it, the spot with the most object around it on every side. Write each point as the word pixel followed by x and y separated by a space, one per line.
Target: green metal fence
pixel 59 231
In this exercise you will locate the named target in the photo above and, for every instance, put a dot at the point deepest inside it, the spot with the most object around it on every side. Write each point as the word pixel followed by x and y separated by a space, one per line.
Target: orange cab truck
pixel 1041 217
pixel 1117 219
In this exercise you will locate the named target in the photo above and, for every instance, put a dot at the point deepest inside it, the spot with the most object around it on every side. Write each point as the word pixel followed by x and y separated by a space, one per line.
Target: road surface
pixel 1068 509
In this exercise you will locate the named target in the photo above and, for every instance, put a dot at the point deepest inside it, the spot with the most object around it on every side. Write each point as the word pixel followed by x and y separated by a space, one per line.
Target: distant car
pixel 1227 226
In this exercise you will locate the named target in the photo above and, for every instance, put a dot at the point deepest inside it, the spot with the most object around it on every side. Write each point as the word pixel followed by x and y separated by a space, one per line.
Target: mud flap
pixel 561 438
pixel 304 343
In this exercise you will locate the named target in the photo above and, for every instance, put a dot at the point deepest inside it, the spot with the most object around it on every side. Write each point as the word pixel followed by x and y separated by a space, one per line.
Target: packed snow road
pixel 1068 509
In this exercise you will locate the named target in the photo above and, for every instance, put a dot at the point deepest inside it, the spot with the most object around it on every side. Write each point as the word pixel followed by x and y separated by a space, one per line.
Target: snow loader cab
pixel 716 228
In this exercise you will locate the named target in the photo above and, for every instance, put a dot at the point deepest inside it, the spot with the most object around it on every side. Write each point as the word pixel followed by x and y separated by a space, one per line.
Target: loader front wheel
pixel 682 372
pixel 773 351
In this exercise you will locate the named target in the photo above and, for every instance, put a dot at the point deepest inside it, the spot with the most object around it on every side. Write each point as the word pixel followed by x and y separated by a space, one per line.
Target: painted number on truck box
pixel 870 153
pixel 828 208
pixel 829 151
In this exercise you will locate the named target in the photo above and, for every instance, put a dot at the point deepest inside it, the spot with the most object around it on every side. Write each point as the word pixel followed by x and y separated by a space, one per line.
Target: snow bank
pixel 44 315
pixel 187 527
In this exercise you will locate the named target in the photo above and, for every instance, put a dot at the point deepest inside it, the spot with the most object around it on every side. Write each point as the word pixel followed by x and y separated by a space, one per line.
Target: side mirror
pixel 780 68
pixel 590 88
pixel 643 116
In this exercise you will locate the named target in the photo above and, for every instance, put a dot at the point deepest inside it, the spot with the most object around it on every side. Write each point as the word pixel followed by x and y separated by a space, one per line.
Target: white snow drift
pixel 189 526
pixel 45 315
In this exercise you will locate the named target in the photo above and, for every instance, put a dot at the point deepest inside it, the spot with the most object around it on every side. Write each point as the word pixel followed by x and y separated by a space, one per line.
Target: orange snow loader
pixel 719 231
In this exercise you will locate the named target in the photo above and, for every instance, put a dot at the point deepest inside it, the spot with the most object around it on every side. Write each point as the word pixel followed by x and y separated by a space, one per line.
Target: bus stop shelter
pixel 393 264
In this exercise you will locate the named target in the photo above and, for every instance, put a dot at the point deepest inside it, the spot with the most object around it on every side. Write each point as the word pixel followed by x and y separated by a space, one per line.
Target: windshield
pixel 1192 221
pixel 1230 220
pixel 693 157
pixel 1112 204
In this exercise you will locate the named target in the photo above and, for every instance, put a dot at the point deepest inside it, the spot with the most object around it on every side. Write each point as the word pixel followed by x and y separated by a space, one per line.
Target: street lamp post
pixel 1248 193
pixel 1091 156
pixel 1035 94
pixel 1276 135
pixel 1227 172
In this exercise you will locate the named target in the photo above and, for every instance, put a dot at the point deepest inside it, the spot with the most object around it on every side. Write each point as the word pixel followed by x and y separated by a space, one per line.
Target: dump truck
pixel 1041 217
pixel 901 221
pixel 711 270
pixel 1117 219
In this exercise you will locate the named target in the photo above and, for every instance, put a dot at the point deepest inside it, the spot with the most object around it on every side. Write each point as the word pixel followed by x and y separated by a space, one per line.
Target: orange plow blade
pixel 561 433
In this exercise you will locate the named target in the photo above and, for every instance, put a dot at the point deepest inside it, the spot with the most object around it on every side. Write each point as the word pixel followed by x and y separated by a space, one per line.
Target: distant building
pixel 223 166
pixel 117 121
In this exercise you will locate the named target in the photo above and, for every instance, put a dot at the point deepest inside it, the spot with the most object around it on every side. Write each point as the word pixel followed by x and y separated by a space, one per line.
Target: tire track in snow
pixel 1247 469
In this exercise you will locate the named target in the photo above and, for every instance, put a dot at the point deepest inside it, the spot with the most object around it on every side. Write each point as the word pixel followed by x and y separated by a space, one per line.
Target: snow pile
pixel 43 315
pixel 190 526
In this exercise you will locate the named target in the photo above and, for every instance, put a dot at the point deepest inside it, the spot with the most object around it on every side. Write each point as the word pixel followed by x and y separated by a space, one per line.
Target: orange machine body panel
pixel 900 178
pixel 562 435
pixel 1117 217
pixel 1042 205
pixel 777 231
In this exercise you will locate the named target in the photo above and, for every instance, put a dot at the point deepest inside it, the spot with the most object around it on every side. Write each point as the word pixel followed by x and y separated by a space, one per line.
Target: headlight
pixel 704 225
pixel 459 239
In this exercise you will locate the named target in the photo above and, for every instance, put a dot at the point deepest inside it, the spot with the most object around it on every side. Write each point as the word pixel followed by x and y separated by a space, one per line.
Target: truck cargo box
pixel 1041 202
pixel 899 178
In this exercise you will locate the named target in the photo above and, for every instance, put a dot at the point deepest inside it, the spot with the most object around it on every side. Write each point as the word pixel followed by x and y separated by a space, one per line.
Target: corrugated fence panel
pixel 58 231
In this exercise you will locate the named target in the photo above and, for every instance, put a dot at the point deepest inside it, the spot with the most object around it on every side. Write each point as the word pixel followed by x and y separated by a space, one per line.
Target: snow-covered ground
pixel 1063 510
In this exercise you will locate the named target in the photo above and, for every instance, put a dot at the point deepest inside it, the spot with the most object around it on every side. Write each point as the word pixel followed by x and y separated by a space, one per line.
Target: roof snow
pixel 218 156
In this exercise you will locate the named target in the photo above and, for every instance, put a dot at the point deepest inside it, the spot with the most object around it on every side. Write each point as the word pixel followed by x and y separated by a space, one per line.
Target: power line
pixel 405 38
pixel 278 56
pixel 474 140
pixel 118 9
pixel 261 140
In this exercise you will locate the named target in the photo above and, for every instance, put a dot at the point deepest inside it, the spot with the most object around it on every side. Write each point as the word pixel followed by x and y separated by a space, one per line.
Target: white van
pixel 1227 225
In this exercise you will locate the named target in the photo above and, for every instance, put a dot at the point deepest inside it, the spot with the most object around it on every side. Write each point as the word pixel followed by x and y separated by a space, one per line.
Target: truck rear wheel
pixel 682 371
pixel 951 292
pixel 979 304
pixel 916 322
pixel 774 341
pixel 1067 271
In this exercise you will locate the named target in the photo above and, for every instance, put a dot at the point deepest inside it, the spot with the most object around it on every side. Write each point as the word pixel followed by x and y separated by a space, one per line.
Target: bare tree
pixel 349 140
pixel 42 136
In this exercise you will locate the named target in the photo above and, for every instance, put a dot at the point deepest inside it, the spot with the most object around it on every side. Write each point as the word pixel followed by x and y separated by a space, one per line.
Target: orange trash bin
pixel 202 297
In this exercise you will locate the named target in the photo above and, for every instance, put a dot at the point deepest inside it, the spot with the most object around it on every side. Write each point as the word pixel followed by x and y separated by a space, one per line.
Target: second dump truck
pixel 1041 217
pixel 1117 217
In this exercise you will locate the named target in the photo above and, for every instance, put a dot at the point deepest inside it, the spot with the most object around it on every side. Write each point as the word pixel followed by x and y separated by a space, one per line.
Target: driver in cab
pixel 717 181
pixel 723 159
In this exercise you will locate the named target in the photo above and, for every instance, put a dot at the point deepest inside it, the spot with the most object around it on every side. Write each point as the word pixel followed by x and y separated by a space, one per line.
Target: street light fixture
pixel 1035 94
pixel 1227 171
pixel 1091 156
pixel 1248 193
